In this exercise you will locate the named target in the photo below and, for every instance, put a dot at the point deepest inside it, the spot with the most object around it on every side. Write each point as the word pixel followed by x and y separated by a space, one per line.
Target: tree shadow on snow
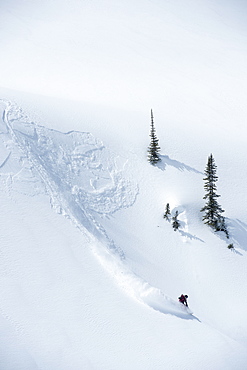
pixel 238 233
pixel 190 236
pixel 183 226
pixel 166 161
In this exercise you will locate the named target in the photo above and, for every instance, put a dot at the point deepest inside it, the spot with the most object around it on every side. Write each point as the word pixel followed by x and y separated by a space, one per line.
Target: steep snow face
pixel 83 179
pixel 109 285
pixel 90 271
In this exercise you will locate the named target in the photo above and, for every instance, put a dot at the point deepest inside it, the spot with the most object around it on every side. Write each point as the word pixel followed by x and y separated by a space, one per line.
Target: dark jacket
pixel 183 300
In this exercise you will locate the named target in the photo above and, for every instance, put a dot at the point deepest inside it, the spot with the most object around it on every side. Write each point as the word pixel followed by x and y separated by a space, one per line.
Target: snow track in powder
pixel 82 178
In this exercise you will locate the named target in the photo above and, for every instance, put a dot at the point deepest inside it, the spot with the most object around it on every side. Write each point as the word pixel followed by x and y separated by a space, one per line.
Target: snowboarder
pixel 183 299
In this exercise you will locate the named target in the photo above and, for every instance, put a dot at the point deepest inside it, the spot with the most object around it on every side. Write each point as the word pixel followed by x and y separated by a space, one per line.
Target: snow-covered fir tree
pixel 153 149
pixel 212 210
pixel 175 222
pixel 167 213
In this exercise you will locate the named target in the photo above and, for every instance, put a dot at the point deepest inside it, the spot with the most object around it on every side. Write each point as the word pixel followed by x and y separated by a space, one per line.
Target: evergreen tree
pixel 167 212
pixel 213 211
pixel 153 149
pixel 175 223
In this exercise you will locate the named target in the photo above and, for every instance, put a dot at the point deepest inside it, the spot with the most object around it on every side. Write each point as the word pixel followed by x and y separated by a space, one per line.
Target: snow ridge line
pixel 6 160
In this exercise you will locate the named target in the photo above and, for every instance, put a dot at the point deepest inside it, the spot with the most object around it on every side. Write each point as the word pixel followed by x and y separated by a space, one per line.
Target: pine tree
pixel 153 149
pixel 167 212
pixel 213 211
pixel 175 223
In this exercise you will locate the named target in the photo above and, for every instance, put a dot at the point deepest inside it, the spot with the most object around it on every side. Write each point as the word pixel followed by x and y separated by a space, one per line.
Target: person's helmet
pixel 186 296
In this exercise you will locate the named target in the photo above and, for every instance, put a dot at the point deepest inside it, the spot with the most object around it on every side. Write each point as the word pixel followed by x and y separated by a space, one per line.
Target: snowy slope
pixel 86 282
pixel 90 271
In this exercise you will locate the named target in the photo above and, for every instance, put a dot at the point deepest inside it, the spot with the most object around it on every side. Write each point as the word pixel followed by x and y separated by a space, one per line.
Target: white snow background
pixel 90 271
